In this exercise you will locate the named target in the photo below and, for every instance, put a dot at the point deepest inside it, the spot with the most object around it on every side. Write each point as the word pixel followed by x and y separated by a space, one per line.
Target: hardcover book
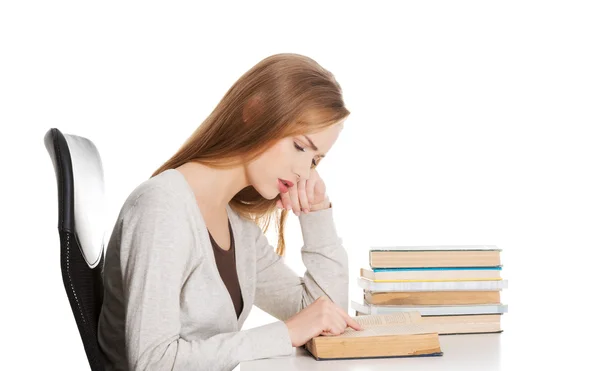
pixel 390 335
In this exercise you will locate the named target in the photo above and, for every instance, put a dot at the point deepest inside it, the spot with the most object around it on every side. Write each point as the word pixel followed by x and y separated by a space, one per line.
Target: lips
pixel 287 183
pixel 284 185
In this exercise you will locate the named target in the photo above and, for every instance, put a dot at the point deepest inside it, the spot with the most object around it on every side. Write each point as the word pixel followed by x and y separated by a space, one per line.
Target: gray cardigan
pixel 166 306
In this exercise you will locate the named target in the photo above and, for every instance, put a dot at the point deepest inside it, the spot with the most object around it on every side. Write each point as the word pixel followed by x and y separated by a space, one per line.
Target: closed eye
pixel 302 149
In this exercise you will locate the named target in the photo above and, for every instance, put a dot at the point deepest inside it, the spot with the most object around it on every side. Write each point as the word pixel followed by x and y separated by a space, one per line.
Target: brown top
pixel 225 260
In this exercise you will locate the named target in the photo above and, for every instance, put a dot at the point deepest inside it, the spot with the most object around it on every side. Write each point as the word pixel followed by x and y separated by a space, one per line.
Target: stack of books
pixel 458 285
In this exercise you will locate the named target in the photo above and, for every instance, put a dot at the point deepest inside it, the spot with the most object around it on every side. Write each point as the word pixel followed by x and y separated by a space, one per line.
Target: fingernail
pixel 305 210
pixel 297 213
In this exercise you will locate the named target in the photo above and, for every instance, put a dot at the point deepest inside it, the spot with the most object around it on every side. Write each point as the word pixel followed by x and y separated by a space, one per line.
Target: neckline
pixel 217 247
pixel 240 267
pixel 192 195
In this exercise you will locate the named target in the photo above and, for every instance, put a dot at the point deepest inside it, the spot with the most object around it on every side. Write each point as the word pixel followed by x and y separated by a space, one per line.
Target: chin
pixel 269 194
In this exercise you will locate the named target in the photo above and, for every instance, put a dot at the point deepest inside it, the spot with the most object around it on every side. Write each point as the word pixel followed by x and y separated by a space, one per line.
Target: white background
pixel 472 122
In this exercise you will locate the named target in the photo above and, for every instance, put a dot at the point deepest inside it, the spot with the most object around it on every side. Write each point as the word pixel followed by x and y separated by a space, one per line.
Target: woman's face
pixel 290 158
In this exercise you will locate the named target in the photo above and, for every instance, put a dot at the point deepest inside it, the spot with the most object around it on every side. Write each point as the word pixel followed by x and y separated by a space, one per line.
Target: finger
pixel 293 194
pixel 339 321
pixel 355 325
pixel 349 320
pixel 310 190
pixel 285 200
pixel 337 326
pixel 320 190
pixel 310 185
pixel 340 325
pixel 328 329
pixel 304 205
pixel 331 332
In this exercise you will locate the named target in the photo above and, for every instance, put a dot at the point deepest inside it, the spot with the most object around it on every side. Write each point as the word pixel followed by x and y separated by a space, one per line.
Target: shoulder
pixel 162 193
pixel 158 211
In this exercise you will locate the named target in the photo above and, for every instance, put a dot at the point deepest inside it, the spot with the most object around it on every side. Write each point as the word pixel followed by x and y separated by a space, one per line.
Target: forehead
pixel 325 138
pixel 325 134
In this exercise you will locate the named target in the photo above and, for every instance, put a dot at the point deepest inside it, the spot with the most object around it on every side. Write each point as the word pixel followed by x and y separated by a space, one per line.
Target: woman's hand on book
pixel 322 317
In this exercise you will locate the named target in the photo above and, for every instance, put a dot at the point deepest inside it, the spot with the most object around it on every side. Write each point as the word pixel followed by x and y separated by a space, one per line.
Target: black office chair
pixel 80 183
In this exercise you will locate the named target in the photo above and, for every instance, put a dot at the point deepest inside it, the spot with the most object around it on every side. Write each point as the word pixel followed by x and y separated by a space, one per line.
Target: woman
pixel 187 258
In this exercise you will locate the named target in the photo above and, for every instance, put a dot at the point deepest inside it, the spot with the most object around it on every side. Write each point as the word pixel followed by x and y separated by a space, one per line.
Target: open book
pixel 401 334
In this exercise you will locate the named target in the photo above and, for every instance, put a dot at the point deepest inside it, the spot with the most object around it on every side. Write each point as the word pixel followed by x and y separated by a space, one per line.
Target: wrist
pixel 290 328
pixel 325 204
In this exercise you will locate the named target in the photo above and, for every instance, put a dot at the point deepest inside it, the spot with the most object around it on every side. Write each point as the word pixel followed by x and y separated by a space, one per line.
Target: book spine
pixel 432 286
pixel 436 248
pixel 431 310
pixel 411 269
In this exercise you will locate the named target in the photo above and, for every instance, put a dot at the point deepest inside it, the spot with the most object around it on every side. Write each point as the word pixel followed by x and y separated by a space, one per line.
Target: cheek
pixel 275 162
pixel 269 164
pixel 277 156
pixel 279 150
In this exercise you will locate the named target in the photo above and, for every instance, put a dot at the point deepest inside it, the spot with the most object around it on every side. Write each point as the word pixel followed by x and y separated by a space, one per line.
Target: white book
pixel 494 285
pixel 431 310
pixel 424 274
pixel 436 248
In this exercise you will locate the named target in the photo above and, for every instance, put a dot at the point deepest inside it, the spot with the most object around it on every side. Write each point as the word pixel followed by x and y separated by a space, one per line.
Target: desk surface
pixel 461 352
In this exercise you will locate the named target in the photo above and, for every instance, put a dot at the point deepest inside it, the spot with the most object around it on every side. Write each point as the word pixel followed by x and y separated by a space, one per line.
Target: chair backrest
pixel 80 184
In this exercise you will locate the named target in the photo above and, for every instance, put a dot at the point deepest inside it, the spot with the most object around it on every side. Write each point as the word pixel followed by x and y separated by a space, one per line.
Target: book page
pixel 418 328
pixel 378 320
pixel 404 329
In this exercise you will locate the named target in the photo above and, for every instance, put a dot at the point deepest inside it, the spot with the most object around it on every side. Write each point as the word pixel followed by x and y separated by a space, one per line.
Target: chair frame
pixel 83 284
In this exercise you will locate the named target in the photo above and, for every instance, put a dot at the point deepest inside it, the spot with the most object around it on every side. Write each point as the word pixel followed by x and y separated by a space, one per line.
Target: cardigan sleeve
pixel 280 291
pixel 155 248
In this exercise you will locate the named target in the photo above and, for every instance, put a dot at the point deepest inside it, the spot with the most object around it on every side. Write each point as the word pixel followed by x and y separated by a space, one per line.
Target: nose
pixel 302 171
pixel 304 174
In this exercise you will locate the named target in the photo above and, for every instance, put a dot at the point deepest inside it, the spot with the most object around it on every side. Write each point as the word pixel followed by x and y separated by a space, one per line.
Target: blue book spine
pixel 497 268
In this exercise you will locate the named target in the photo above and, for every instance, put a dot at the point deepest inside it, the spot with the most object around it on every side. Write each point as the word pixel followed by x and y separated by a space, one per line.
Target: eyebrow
pixel 312 145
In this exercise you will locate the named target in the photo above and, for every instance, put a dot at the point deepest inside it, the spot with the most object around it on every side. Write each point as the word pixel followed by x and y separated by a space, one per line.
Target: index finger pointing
pixel 350 321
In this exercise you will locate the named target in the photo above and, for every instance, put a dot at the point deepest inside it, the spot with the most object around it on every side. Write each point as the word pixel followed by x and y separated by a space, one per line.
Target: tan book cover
pixel 388 335
pixel 432 297
pixel 434 258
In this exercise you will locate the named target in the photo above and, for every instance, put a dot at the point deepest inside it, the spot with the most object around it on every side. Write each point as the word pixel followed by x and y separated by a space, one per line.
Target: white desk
pixel 461 352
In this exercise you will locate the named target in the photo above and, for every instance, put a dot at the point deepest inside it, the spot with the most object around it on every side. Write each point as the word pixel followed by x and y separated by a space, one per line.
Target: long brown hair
pixel 283 95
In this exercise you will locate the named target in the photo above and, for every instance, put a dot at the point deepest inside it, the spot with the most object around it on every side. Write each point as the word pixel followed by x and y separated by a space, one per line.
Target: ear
pixel 252 108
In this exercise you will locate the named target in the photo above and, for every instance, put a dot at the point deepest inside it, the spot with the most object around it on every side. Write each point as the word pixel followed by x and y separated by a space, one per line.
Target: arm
pixel 156 246
pixel 280 292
